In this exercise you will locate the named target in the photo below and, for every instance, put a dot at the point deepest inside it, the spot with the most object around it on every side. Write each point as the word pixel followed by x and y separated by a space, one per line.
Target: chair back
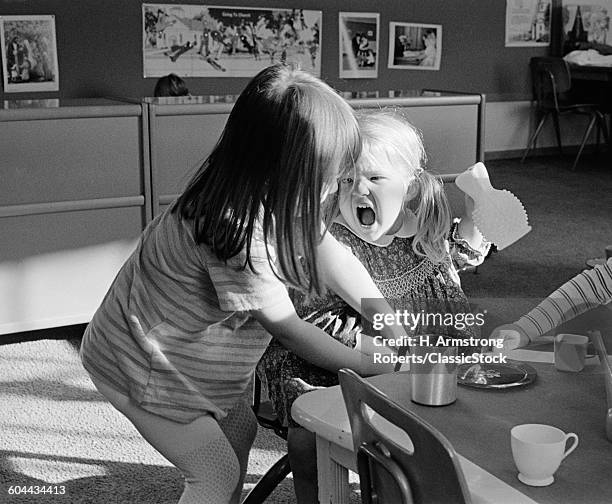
pixel 551 79
pixel 422 468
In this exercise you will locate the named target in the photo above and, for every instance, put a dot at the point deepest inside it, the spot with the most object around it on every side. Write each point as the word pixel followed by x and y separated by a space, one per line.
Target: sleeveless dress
pixel 408 282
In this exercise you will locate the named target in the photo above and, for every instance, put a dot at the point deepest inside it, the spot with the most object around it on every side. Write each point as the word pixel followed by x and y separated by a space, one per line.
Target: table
pixel 584 477
pixel 591 73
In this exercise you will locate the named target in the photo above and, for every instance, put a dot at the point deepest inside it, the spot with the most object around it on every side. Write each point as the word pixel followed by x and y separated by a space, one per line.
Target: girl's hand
pixel 368 346
pixel 508 337
pixel 312 343
pixel 469 206
pixel 306 387
pixel 467 229
pixel 375 352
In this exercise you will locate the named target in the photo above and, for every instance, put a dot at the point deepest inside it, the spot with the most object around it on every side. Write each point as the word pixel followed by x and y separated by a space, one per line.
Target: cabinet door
pixel 73 200
pixel 180 145
pixel 70 159
pixel 56 268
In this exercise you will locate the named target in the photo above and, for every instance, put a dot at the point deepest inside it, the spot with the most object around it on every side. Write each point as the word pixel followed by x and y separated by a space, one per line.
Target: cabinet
pixel 80 179
pixel 185 129
pixel 74 195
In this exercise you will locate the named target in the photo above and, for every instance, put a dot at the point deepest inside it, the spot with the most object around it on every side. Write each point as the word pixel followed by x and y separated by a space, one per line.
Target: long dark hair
pixel 286 140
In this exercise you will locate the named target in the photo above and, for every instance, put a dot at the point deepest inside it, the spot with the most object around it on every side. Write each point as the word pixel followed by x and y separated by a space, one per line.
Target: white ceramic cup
pixel 538 450
pixel 570 352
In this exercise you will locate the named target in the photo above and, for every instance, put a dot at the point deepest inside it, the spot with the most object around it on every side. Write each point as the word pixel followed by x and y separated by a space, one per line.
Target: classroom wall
pixel 100 47
pixel 509 124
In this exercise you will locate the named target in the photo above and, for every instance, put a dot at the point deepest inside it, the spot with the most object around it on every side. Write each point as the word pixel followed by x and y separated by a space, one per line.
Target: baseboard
pixel 540 151
pixel 59 333
pixel 510 124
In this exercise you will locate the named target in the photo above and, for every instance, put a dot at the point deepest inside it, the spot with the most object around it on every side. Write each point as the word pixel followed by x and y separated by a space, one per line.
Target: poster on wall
pixel 358 45
pixel 528 23
pixel 415 46
pixel 29 53
pixel 586 23
pixel 212 41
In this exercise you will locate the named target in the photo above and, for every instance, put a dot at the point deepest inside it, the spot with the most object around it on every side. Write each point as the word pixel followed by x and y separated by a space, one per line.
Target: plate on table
pixel 496 376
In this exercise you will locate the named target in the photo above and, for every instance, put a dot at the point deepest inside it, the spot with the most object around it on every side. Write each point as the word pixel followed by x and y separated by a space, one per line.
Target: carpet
pixel 570 213
pixel 58 434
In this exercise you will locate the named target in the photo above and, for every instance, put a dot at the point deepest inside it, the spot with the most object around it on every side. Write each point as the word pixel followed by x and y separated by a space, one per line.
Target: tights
pixel 211 455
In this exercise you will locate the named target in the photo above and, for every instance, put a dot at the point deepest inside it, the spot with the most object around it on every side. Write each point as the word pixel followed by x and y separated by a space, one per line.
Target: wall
pixel 100 47
pixel 508 126
pixel 100 54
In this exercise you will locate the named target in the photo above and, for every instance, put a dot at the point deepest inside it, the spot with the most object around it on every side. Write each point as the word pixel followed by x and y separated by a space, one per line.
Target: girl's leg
pixel 240 429
pixel 200 450
pixel 301 447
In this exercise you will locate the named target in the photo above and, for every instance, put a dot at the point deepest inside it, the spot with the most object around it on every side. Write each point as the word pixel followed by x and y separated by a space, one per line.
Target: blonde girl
pixel 395 218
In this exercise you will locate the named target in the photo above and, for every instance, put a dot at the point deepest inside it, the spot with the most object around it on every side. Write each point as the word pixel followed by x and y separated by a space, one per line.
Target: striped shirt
pixel 198 347
pixel 585 291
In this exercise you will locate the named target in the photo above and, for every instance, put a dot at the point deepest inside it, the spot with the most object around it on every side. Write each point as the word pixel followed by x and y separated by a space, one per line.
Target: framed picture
pixel 212 41
pixel 29 53
pixel 415 46
pixel 528 23
pixel 586 23
pixel 358 45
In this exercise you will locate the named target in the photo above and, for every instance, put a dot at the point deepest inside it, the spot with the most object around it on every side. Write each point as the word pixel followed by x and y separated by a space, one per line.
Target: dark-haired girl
pixel 176 340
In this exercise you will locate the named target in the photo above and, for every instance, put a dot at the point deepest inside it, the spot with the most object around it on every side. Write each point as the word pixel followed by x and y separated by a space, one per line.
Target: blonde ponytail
pixel 433 218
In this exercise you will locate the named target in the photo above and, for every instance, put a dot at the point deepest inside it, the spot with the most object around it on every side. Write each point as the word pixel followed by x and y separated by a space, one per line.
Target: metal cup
pixel 433 382
pixel 570 352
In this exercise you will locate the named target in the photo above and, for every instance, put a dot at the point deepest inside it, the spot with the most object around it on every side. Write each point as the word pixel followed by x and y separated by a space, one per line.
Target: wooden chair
pixel 427 472
pixel 552 83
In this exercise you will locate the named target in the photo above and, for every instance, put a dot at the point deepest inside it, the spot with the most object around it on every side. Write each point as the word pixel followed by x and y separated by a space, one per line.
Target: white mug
pixel 538 450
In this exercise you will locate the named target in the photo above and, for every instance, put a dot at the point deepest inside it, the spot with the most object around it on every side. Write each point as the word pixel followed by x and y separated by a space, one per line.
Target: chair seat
pixel 576 108
pixel 587 108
